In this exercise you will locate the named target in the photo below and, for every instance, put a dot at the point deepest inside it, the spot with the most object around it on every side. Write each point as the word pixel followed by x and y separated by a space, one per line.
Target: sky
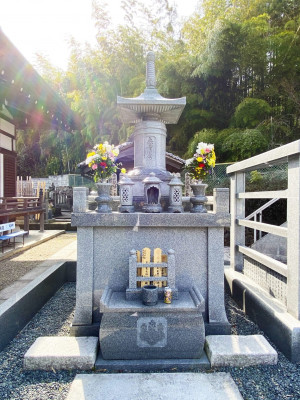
pixel 46 26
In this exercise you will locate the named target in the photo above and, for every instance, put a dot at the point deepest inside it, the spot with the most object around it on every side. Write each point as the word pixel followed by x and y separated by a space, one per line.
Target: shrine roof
pixel 28 98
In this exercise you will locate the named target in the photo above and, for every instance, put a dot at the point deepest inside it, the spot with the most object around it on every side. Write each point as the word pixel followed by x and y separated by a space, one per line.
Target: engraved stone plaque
pixel 152 332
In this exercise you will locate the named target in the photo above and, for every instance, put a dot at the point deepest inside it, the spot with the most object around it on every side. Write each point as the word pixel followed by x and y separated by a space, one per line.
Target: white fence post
pixel 293 239
pixel 237 210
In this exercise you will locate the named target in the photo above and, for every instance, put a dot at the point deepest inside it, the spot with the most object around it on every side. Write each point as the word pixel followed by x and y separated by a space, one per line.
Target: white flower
pixel 107 147
pixel 202 147
pixel 115 152
pixel 91 158
pixel 189 161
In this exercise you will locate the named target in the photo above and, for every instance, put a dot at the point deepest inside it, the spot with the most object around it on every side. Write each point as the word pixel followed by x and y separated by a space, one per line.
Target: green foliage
pixel 250 112
pixel 237 63
pixel 245 144
pixel 53 166
pixel 255 176
pixel 206 136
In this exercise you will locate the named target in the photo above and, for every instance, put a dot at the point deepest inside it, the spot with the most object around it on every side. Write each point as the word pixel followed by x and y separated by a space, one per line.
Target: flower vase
pixel 199 197
pixel 103 199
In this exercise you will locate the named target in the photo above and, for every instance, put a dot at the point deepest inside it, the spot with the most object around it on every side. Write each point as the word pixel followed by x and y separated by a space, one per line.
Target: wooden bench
pixel 13 236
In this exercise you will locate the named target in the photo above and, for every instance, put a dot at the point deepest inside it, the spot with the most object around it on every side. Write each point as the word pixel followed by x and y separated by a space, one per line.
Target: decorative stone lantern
pixel 175 195
pixel 126 195
pixel 152 193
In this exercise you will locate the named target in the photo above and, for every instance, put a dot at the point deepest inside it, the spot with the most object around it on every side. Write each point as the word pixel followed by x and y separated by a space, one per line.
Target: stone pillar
pixel 171 269
pixel 132 269
pixel 150 145
pixel 79 199
pixel 237 210
pixel 84 276
pixel 293 239
pixel 221 200
pixel 215 277
pixel 41 203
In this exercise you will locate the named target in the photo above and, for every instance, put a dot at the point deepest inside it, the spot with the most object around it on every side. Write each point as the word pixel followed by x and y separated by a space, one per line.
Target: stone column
pixel 215 279
pixel 237 210
pixel 150 145
pixel 221 200
pixel 293 239
pixel 84 276
pixel 79 199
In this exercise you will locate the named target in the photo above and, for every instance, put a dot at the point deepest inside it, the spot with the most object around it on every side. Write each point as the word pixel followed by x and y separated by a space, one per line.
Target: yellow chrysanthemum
pixel 92 153
pixel 199 159
pixel 123 170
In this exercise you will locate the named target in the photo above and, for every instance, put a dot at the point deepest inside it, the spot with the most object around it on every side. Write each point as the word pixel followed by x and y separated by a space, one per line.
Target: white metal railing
pixel 289 154
pixel 258 214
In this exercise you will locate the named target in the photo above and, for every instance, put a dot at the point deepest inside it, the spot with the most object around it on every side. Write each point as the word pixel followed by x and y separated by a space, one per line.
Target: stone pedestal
pixel 105 242
pixel 130 330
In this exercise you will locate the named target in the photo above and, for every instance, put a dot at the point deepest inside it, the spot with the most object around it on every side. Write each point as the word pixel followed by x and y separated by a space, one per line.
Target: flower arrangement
pixel 203 161
pixel 102 161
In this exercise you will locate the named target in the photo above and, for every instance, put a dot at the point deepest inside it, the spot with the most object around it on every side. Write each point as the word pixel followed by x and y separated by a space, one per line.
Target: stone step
pixel 167 364
pixel 162 386
pixel 62 352
pixel 239 351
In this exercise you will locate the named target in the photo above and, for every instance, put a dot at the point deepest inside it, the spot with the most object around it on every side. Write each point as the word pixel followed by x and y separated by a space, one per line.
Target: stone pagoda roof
pixel 150 105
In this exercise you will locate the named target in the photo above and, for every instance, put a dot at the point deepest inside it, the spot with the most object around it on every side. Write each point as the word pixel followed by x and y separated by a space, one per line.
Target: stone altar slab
pixel 130 330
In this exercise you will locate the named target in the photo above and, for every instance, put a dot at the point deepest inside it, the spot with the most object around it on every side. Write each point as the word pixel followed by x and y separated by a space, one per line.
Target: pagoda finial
pixel 150 71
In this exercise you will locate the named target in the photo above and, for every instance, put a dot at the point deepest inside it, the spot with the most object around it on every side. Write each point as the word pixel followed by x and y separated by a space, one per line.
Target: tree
pixel 245 144
pixel 250 112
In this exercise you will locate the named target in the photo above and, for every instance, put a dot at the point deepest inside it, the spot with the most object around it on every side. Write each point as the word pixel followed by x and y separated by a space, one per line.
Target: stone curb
pixel 18 310
pixel 268 313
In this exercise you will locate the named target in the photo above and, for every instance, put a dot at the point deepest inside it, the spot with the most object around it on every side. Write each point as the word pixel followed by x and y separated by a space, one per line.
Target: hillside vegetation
pixel 237 62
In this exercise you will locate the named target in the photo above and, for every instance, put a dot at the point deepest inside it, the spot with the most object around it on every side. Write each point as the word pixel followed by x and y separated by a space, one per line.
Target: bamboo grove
pixel 236 61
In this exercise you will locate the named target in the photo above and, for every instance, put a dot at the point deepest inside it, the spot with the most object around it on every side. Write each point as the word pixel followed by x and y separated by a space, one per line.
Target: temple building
pixel 26 101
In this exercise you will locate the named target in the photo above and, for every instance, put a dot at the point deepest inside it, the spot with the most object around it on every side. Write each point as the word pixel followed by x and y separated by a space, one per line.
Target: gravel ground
pixel 262 382
pixel 21 263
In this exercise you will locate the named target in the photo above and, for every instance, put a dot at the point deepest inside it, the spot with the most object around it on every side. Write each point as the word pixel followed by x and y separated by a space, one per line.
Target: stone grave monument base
pixel 130 330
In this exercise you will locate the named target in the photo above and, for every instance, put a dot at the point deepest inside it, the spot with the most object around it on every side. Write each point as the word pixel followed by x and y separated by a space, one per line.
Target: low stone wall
pixel 18 310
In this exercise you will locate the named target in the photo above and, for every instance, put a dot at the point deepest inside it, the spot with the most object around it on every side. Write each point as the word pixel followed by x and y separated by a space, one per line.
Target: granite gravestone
pixel 105 242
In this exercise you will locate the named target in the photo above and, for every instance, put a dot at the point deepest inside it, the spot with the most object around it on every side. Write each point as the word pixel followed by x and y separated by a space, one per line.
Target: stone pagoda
pixel 150 112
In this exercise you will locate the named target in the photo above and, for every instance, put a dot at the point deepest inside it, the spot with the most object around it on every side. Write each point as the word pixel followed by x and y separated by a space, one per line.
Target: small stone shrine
pixel 150 241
